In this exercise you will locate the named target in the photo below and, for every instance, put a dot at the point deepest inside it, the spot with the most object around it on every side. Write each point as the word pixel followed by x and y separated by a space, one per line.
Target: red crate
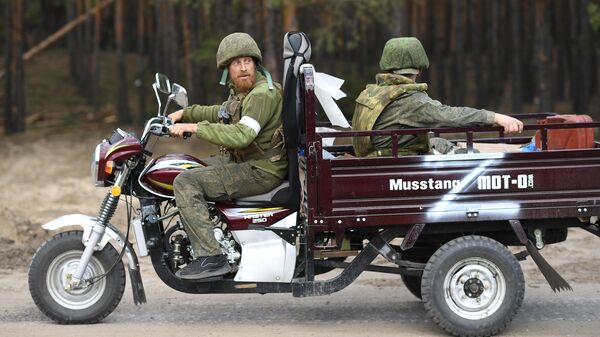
pixel 560 139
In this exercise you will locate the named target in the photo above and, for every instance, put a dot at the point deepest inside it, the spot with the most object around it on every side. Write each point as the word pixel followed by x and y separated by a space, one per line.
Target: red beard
pixel 243 83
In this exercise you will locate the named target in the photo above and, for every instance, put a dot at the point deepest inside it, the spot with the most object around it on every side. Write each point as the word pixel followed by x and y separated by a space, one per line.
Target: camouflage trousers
pixel 221 180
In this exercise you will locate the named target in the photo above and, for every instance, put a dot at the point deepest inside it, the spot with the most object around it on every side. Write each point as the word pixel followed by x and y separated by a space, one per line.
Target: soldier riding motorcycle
pixel 77 276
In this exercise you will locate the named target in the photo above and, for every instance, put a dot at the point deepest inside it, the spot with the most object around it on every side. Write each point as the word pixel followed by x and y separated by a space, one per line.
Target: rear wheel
pixel 472 286
pixel 60 256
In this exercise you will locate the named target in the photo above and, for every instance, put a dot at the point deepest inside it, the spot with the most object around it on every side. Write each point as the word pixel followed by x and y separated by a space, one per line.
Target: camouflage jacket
pixel 411 108
pixel 254 132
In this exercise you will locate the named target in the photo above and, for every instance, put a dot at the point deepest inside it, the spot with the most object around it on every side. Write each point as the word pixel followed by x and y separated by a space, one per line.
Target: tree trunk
pixel 494 54
pixel 18 68
pixel 517 68
pixel 562 48
pixel 87 47
pixel 196 93
pixel 166 39
pixel 458 64
pixel 584 65
pixel 8 47
pixel 399 18
pixel 429 35
pixel 74 59
pixel 185 31
pixel 171 51
pixel 249 17
pixel 289 16
pixel 95 60
pixel 80 52
pixel 14 114
pixel 141 49
pixel 441 51
pixel 122 104
pixel 269 57
pixel 542 56
pixel 476 18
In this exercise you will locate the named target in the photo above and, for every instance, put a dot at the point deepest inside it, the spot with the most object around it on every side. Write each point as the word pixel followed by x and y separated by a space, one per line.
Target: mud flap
pixel 135 278
pixel 139 295
pixel 556 282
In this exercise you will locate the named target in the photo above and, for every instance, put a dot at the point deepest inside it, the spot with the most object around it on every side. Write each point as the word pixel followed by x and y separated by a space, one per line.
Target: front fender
pixel 87 223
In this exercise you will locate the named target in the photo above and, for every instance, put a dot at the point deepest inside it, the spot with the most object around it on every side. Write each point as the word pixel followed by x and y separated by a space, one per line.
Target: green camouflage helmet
pixel 406 53
pixel 236 45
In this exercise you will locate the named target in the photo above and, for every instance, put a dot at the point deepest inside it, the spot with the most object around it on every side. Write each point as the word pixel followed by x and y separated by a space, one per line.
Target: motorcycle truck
pixel 453 217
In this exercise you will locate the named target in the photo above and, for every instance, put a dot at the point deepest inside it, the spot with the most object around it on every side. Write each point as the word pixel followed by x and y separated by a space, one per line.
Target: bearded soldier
pixel 248 127
pixel 396 101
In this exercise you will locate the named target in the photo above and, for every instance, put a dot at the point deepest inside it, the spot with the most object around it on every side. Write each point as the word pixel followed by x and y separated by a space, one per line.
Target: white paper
pixel 327 88
pixel 327 155
pixel 326 141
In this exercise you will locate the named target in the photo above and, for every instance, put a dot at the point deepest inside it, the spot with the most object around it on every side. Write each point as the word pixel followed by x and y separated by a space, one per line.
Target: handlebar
pixel 159 126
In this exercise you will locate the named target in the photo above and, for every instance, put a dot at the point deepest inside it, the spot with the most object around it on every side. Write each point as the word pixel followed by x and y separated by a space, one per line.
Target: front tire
pixel 48 279
pixel 472 286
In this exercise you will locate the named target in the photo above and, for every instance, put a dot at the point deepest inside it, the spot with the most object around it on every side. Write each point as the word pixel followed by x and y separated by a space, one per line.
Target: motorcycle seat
pixel 269 198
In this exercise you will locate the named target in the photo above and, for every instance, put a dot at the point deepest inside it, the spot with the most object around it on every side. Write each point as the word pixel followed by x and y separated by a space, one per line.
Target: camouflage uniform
pixel 253 163
pixel 397 102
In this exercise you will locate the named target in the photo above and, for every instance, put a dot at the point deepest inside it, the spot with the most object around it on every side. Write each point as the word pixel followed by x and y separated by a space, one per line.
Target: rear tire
pixel 472 286
pixel 47 280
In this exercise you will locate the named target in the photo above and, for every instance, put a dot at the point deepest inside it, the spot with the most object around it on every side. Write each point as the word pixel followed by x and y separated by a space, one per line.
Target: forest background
pixel 68 62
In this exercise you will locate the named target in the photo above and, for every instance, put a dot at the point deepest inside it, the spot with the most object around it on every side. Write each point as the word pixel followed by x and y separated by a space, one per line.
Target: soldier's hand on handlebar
pixel 510 124
pixel 176 116
pixel 182 130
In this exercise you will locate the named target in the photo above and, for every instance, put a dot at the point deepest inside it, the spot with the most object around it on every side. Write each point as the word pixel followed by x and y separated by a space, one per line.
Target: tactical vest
pixel 370 104
pixel 231 112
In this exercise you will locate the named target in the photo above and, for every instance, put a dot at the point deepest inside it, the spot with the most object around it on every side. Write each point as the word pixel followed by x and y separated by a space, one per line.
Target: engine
pixel 180 249
pixel 227 243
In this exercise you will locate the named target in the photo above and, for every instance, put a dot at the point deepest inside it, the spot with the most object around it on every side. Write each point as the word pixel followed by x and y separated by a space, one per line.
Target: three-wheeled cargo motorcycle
pixel 452 216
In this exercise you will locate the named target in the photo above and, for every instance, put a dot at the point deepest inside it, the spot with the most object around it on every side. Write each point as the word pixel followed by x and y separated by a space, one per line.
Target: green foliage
pixel 593 10
pixel 337 31
pixel 207 51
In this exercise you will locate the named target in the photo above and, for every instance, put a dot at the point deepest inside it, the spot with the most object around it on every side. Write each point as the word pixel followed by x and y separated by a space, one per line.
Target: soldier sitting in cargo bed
pixel 396 101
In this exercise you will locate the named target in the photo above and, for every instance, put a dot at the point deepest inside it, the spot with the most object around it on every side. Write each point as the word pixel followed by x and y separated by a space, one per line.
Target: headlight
pixel 95 165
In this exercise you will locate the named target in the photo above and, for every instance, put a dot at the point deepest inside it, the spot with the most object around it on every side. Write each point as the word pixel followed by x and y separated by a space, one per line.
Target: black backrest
pixel 296 51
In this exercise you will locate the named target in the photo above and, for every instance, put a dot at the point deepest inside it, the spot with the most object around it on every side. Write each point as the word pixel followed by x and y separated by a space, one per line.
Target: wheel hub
pixel 473 287
pixel 58 281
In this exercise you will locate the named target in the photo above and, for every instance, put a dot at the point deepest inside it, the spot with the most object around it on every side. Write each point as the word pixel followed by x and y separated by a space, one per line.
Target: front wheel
pixel 472 286
pixel 60 256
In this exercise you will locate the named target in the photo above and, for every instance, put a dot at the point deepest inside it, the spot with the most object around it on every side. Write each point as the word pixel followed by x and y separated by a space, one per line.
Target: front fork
pixel 109 205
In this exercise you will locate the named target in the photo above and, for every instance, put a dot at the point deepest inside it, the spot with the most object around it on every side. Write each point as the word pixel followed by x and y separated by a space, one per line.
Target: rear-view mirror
pixel 163 84
pixel 179 95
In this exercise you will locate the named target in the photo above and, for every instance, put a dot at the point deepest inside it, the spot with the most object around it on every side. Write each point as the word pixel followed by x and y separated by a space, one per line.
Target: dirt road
pixel 46 175
pixel 376 305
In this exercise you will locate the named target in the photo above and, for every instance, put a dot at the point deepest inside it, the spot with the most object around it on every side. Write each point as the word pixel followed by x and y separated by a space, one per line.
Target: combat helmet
pixel 236 45
pixel 404 53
